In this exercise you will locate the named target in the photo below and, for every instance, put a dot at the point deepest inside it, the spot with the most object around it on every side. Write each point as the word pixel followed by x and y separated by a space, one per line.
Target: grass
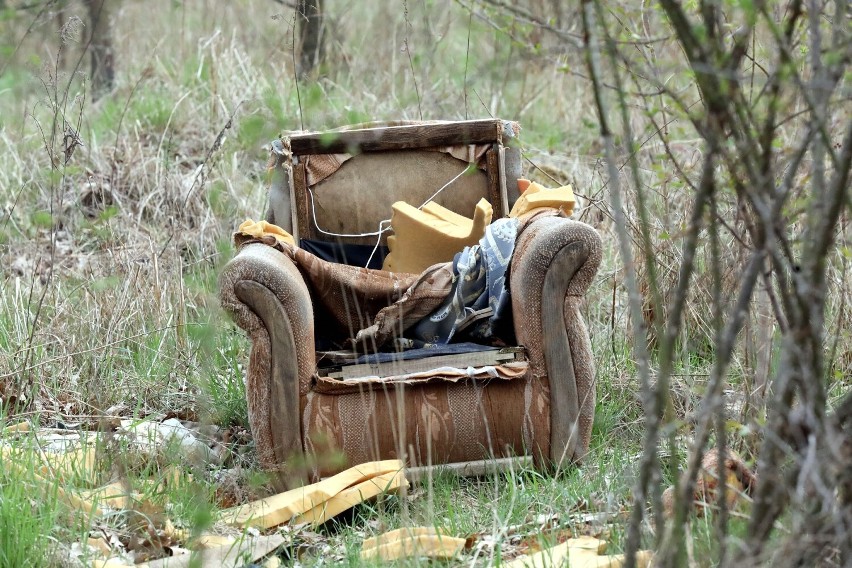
pixel 26 521
pixel 109 259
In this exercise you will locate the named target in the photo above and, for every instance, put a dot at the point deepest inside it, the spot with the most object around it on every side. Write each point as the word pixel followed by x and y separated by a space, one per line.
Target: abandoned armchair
pixel 434 351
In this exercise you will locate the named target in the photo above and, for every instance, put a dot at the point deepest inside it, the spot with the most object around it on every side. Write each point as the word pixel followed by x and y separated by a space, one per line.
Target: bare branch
pixel 573 38
pixel 635 301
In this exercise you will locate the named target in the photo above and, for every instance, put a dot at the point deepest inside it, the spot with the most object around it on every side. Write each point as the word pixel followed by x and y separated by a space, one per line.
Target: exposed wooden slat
pixel 469 468
pixel 336 358
pixel 456 360
pixel 398 137
pixel 492 158
pixel 305 229
pixel 512 170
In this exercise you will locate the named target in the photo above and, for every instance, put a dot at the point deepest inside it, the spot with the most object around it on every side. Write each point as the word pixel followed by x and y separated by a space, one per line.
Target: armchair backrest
pixel 343 182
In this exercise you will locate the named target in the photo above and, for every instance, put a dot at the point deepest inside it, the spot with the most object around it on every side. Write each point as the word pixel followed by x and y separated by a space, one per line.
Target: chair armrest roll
pixel 264 292
pixel 554 263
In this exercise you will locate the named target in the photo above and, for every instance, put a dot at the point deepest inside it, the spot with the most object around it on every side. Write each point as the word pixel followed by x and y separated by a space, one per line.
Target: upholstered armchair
pixel 318 399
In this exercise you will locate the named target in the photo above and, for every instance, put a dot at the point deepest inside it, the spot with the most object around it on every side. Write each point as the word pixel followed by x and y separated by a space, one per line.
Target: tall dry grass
pixel 124 239
pixel 109 254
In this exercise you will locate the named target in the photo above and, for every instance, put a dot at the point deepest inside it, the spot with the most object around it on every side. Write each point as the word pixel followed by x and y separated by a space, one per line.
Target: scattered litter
pixel 128 528
pixel 272 562
pixel 152 437
pixel 100 545
pixel 227 556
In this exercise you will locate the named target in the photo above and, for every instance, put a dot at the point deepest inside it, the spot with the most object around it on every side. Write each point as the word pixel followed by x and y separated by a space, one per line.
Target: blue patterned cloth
pixel 479 297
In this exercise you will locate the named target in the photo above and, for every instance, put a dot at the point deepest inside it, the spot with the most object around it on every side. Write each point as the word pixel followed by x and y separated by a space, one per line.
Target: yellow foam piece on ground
pixel 115 563
pixel 66 496
pixel 261 229
pixel 278 509
pixel 412 541
pixel 432 234
pixel 100 544
pixel 348 498
pixel 582 552
pixel 209 540
pixel 19 427
pixel 115 495
pixel 534 195
pixel 54 468
pixel 61 465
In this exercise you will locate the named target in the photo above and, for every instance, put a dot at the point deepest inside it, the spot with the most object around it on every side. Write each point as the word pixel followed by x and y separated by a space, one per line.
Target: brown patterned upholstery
pixel 306 428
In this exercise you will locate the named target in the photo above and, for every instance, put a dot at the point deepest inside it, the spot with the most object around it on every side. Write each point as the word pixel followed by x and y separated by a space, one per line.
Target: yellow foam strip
pixel 396 534
pixel 61 465
pixel 115 563
pixel 67 497
pixel 583 552
pixel 56 468
pixel 454 225
pixel 412 541
pixel 19 427
pixel 114 495
pixel 76 502
pixel 209 540
pixel 350 497
pixel 280 508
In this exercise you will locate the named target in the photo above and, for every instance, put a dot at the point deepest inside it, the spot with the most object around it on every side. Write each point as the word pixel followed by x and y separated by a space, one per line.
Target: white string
pixel 324 232
pixel 445 186
pixel 378 241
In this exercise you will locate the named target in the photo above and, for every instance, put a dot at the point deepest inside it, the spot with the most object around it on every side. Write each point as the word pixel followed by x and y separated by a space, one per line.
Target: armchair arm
pixel 554 263
pixel 264 292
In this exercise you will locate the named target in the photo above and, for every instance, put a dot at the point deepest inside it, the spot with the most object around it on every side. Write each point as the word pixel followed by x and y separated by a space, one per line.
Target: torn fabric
pixel 374 307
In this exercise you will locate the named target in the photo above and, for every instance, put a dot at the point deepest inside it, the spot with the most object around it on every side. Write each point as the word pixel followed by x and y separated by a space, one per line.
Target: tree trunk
pixel 311 36
pixel 100 46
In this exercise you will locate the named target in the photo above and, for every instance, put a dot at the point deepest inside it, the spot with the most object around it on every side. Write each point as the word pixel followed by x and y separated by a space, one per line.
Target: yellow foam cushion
pixel 433 234
pixel 535 195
